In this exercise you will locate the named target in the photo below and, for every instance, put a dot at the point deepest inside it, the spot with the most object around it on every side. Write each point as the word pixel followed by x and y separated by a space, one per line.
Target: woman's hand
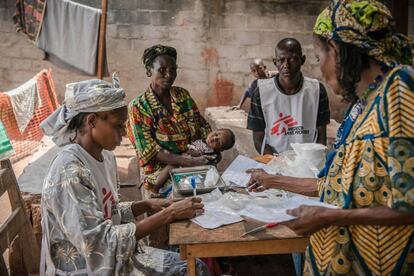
pixel 184 209
pixel 198 161
pixel 235 107
pixel 213 159
pixel 258 180
pixel 309 219
pixel 157 204
pixel 187 208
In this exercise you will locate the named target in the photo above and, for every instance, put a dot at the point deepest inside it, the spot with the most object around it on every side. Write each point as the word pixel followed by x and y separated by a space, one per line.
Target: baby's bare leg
pixel 163 176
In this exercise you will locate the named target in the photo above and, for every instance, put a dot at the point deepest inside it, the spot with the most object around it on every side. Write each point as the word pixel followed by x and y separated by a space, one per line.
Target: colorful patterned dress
pixel 374 167
pixel 152 128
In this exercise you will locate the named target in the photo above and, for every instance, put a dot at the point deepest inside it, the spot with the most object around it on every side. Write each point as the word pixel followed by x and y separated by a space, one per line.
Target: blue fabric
pixel 298 263
pixel 343 131
pixel 166 192
pixel 252 87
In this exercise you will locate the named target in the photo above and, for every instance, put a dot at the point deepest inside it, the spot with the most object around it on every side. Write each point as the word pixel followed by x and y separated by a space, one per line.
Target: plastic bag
pixel 211 178
pixel 6 149
pixel 314 154
pixel 305 161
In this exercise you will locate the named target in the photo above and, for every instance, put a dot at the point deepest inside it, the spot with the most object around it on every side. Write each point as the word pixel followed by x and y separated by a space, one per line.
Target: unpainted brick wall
pixel 215 39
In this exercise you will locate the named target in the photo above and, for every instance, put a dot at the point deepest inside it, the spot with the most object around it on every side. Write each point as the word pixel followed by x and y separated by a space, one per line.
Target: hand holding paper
pixel 309 219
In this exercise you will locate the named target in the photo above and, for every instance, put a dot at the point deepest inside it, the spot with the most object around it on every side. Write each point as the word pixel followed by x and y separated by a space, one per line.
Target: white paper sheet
pixel 265 214
pixel 212 219
pixel 235 174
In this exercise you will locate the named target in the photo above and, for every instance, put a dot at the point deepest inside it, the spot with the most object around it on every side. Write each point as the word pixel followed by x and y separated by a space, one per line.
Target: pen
pixel 255 185
pixel 260 228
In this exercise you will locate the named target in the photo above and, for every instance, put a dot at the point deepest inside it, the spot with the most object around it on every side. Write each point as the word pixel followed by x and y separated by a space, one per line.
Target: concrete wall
pixel 215 40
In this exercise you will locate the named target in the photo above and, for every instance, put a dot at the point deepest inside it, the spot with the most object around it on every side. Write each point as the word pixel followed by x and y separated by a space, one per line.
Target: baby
pixel 217 141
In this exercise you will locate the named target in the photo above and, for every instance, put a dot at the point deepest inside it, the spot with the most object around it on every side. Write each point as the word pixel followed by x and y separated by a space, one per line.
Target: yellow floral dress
pixel 374 167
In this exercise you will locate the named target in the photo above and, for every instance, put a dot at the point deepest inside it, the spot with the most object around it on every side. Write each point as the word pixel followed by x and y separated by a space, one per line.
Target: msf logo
pixel 283 124
pixel 108 198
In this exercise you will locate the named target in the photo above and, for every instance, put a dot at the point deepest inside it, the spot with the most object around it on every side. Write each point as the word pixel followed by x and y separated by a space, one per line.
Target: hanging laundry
pixel 24 100
pixel 28 17
pixel 26 142
pixel 70 33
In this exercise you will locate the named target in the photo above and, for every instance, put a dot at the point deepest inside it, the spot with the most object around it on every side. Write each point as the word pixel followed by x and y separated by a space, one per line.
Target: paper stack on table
pixel 267 206
pixel 222 209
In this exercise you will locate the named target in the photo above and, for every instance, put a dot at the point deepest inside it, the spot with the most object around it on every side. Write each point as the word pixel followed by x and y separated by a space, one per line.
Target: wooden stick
pixel 51 93
pixel 101 42
pixel 41 22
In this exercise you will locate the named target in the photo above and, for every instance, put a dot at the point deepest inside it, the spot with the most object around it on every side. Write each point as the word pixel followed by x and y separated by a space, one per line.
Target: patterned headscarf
pixel 157 50
pixel 81 97
pixel 367 24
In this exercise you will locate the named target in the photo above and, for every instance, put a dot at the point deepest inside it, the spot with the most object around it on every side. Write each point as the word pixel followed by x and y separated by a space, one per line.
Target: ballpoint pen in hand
pixel 260 228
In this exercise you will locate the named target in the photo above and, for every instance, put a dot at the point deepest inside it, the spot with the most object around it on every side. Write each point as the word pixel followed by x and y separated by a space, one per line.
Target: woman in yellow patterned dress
pixel 370 173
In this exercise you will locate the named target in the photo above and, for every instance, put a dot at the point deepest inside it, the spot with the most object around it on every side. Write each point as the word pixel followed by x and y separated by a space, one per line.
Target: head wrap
pixel 367 24
pixel 81 97
pixel 157 50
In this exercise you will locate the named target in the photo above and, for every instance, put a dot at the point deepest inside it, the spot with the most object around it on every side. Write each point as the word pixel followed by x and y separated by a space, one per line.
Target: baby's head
pixel 258 69
pixel 221 139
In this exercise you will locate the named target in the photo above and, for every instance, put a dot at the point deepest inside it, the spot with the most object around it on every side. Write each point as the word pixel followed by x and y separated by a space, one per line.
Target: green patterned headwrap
pixel 157 50
pixel 367 24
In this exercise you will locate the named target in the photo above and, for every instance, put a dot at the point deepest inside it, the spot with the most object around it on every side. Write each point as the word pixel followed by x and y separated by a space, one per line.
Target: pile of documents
pixel 222 209
pixel 267 206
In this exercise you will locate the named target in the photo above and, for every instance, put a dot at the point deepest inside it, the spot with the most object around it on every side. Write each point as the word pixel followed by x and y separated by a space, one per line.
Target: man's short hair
pixel 290 44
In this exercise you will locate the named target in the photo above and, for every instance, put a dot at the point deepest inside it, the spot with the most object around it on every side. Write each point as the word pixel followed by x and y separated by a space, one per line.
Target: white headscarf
pixel 80 97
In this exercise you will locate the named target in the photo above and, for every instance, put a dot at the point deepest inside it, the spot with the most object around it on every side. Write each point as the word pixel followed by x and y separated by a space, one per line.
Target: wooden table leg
pixel 183 252
pixel 191 268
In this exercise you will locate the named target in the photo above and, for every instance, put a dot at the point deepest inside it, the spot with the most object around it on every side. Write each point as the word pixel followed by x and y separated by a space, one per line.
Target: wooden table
pixel 197 242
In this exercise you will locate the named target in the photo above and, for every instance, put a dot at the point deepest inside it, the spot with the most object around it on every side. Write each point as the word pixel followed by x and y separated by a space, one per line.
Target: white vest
pixel 289 118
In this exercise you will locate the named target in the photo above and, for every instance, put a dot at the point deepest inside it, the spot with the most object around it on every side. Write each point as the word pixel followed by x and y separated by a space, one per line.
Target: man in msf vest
pixel 288 108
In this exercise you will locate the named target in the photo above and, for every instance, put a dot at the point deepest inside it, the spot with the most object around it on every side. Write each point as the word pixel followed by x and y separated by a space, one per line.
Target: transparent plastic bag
pixel 305 161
